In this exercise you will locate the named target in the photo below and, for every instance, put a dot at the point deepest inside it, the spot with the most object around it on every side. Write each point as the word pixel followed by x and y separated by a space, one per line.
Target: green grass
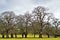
pixel 30 37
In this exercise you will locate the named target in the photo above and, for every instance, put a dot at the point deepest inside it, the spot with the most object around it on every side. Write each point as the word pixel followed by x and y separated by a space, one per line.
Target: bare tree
pixel 27 18
pixel 34 25
pixel 8 18
pixel 40 13
pixel 56 24
pixel 2 27
pixel 48 23
pixel 20 24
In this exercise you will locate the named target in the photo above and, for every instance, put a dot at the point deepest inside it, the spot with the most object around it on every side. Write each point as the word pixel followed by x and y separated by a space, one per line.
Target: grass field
pixel 30 37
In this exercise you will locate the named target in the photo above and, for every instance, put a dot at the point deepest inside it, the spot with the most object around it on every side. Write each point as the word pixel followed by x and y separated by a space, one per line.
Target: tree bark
pixel 55 35
pixel 25 35
pixel 34 35
pixel 12 35
pixel 22 35
pixel 48 35
pixel 40 35
pixel 2 35
pixel 7 36
pixel 15 35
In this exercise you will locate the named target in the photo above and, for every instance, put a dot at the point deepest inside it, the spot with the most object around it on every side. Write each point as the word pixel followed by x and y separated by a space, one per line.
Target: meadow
pixel 30 37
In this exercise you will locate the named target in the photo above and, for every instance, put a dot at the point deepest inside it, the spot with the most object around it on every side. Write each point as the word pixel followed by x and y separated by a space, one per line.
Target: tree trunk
pixel 15 35
pixel 22 35
pixel 7 36
pixel 34 35
pixel 11 35
pixel 55 35
pixel 56 32
pixel 40 35
pixel 25 35
pixel 48 36
pixel 2 35
pixel 26 30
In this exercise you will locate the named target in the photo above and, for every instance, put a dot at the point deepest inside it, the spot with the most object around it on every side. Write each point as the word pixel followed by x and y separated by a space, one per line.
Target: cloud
pixel 53 5
pixel 21 6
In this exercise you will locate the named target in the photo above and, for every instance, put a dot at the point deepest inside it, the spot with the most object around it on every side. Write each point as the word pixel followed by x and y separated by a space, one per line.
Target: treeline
pixel 39 21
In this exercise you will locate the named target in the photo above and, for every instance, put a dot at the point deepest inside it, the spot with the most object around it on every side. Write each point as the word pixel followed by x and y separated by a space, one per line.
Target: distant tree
pixel 27 18
pixel 40 13
pixel 2 27
pixel 56 24
pixel 48 24
pixel 20 24
pixel 8 19
pixel 34 25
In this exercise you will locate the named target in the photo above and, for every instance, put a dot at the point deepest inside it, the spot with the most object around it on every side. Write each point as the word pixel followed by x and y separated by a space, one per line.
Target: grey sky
pixel 21 6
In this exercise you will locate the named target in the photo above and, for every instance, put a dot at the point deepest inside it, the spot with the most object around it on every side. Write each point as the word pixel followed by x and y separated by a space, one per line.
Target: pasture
pixel 30 37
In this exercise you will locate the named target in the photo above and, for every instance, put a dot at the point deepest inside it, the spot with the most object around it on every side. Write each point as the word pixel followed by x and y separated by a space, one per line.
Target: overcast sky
pixel 21 6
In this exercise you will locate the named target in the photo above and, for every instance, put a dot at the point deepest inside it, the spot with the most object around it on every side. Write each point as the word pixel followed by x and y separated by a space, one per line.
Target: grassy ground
pixel 30 37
